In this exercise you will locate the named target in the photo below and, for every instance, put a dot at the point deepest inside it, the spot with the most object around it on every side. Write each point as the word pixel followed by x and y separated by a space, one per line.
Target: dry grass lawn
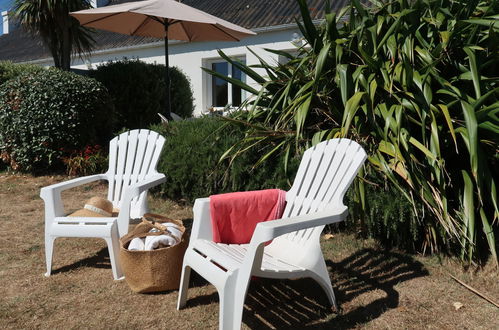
pixel 376 289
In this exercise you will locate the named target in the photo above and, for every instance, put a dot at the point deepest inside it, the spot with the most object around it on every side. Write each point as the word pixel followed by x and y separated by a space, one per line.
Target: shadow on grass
pixel 98 260
pixel 302 303
pixel 101 258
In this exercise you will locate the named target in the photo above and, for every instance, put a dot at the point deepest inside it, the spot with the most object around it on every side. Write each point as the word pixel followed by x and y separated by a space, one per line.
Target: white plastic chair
pixel 315 199
pixel 132 171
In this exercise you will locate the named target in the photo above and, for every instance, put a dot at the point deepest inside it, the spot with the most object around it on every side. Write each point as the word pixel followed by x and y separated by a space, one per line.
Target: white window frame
pixel 5 22
pixel 209 82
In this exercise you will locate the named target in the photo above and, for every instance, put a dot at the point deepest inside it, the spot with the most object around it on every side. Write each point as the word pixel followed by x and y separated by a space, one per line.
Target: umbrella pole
pixel 167 74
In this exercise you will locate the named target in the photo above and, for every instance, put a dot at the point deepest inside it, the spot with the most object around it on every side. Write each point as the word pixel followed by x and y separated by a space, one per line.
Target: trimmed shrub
pixel 191 161
pixel 9 70
pixel 47 115
pixel 138 91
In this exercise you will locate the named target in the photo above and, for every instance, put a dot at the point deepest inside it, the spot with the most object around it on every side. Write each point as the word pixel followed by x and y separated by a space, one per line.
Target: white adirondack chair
pixel 314 200
pixel 132 171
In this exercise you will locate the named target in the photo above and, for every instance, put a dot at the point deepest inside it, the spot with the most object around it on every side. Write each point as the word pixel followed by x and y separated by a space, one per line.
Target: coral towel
pixel 234 215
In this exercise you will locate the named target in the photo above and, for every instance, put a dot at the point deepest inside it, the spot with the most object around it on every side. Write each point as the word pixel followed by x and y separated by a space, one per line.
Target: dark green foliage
pixel 387 216
pixel 44 116
pixel 9 70
pixel 416 83
pixel 138 91
pixel 191 157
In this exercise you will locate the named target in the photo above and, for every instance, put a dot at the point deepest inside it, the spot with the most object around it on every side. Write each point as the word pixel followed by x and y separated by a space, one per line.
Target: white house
pixel 272 20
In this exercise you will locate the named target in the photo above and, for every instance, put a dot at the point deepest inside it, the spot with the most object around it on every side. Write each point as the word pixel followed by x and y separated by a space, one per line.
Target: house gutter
pixel 265 29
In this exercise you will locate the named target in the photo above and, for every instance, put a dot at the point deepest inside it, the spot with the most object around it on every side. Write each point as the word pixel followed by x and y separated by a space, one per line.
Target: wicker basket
pixel 155 270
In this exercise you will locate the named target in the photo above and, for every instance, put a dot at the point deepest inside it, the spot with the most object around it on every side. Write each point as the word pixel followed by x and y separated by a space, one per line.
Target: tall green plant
pixel 417 83
pixel 62 34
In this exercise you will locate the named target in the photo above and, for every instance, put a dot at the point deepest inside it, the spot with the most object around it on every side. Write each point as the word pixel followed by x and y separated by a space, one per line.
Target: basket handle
pixel 154 223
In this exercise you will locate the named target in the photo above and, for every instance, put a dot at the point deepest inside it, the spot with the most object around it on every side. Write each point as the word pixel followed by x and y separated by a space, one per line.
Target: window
pixel 281 59
pixel 4 22
pixel 222 92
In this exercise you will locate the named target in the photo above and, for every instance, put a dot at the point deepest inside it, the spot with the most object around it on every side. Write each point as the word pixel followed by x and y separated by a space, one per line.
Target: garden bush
pixel 386 214
pixel 48 115
pixel 191 161
pixel 415 82
pixel 138 91
pixel 9 70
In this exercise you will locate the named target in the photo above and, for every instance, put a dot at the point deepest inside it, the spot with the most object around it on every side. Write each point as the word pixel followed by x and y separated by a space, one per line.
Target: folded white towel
pixel 153 242
pixel 174 230
pixel 136 244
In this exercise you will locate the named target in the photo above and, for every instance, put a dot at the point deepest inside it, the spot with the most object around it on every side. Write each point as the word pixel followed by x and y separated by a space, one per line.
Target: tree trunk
pixel 54 50
pixel 66 47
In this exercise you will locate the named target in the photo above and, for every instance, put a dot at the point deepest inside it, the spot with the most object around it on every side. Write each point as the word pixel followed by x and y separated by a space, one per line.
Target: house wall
pixel 190 57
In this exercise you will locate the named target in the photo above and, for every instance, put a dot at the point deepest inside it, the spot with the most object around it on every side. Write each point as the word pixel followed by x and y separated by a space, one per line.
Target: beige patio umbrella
pixel 166 19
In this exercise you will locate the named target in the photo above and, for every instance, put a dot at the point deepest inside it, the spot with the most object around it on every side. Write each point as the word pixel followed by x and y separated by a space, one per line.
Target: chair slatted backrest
pixel 323 177
pixel 133 157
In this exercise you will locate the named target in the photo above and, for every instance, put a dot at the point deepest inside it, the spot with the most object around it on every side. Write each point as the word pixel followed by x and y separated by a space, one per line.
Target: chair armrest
pixel 201 225
pixel 266 231
pixel 136 189
pixel 130 193
pixel 51 195
pixel 61 186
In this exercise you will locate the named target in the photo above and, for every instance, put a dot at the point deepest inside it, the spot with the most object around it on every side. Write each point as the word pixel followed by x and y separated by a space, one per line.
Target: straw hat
pixel 95 207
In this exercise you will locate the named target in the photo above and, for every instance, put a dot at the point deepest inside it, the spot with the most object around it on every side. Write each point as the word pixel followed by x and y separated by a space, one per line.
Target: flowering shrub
pixel 90 160
pixel 44 112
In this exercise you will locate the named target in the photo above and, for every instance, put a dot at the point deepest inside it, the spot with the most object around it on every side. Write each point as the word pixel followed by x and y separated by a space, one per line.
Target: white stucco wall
pixel 190 57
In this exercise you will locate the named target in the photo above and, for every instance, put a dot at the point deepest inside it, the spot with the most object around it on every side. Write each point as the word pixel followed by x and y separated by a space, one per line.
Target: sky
pixel 5 4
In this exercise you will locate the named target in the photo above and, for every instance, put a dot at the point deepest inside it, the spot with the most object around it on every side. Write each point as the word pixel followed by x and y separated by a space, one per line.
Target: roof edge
pixel 264 29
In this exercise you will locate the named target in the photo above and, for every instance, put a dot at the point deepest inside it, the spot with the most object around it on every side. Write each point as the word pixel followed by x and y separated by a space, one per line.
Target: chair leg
pixel 226 311
pixel 184 286
pixel 113 246
pixel 321 276
pixel 235 311
pixel 232 298
pixel 49 249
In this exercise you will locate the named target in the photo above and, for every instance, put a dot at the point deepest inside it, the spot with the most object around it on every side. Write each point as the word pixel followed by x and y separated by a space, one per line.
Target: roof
pixel 19 46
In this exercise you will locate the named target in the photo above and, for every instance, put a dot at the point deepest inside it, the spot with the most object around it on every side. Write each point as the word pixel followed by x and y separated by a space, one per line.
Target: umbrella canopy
pixel 147 18
pixel 166 19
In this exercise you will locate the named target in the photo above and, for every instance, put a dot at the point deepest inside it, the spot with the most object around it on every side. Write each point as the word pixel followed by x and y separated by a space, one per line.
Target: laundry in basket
pixel 158 269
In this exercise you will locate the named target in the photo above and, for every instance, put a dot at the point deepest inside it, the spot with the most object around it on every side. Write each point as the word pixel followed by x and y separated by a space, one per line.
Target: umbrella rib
pixel 215 25
pixel 162 21
pixel 101 18
pixel 144 22
pixel 185 31
pixel 157 19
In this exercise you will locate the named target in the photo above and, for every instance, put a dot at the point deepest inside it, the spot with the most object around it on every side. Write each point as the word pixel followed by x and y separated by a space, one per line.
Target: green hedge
pixel 47 115
pixel 9 70
pixel 191 157
pixel 138 91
